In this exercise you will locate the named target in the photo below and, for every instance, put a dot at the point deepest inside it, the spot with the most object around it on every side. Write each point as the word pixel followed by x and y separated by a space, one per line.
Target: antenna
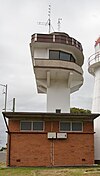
pixel 48 21
pixel 59 23
pixel 13 105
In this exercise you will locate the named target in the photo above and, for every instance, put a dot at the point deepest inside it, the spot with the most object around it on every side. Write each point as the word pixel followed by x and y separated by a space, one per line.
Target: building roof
pixel 49 116
pixel 97 41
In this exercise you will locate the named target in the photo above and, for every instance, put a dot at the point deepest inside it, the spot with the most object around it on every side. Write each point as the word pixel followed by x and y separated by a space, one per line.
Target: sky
pixel 18 21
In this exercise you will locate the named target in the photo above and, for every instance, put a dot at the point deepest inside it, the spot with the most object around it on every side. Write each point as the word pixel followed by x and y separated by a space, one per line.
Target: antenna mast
pixel 59 23
pixel 49 19
pixel 48 23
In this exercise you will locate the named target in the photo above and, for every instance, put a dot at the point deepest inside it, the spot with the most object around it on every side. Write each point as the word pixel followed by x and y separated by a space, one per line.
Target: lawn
pixel 26 171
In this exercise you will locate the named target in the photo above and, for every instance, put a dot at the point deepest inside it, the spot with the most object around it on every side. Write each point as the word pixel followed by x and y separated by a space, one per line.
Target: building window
pixel 71 126
pixel 61 55
pixel 76 126
pixel 64 126
pixel 26 125
pixel 32 125
pixel 72 58
pixel 37 126
pixel 64 56
pixel 53 54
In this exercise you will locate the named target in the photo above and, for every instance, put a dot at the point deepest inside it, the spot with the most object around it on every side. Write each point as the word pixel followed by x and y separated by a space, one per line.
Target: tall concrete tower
pixel 94 69
pixel 57 61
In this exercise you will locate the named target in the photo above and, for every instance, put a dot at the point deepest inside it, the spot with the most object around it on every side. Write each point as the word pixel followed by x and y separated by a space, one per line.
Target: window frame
pixel 64 122
pixel 66 54
pixel 25 121
pixel 72 59
pixel 71 126
pixel 32 126
pixel 54 51
pixel 77 122
pixel 38 130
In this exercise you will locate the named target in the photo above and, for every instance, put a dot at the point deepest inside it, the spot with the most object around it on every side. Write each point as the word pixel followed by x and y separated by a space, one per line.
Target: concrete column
pixel 58 96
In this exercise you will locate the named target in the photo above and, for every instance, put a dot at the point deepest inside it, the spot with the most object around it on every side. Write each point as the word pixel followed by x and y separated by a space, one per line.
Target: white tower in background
pixel 57 61
pixel 94 69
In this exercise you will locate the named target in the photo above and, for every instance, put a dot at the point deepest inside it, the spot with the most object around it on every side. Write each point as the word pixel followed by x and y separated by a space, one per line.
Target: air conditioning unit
pixel 61 135
pixel 51 135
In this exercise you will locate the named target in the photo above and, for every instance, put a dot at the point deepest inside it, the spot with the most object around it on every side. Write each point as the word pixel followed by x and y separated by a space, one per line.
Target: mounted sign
pixel 61 135
pixel 51 135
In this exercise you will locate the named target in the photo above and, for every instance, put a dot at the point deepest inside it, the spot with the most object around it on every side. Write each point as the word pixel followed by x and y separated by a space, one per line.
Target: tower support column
pixel 58 96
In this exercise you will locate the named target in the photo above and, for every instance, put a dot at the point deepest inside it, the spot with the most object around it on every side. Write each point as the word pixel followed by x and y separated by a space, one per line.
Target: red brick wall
pixel 34 149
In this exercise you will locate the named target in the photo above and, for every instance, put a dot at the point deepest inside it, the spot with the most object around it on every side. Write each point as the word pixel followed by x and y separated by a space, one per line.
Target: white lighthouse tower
pixel 94 69
pixel 57 61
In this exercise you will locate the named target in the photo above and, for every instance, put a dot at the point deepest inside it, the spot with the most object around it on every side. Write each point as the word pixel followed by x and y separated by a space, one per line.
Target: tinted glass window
pixel 64 56
pixel 54 54
pixel 64 126
pixel 72 58
pixel 76 126
pixel 26 125
pixel 38 126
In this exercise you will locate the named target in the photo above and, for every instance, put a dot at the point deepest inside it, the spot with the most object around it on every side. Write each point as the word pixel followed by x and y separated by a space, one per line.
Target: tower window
pixel 54 54
pixel 61 55
pixel 64 56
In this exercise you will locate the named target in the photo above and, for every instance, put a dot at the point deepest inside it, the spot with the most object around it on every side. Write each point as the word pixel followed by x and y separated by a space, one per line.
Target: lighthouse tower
pixel 57 61
pixel 94 69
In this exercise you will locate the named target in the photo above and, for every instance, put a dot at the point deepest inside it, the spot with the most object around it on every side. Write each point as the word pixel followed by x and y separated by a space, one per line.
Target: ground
pixel 93 171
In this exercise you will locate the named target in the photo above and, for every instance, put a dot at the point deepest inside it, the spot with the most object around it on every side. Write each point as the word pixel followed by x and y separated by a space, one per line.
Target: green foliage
pixel 79 111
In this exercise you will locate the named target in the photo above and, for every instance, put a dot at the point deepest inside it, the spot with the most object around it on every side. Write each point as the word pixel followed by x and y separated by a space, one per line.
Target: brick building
pixel 54 138
pixel 49 139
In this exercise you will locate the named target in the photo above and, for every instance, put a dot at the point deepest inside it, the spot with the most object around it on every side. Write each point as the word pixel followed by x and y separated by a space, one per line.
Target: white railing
pixel 94 58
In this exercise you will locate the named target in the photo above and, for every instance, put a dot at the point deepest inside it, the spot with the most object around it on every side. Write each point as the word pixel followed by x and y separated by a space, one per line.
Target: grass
pixel 38 171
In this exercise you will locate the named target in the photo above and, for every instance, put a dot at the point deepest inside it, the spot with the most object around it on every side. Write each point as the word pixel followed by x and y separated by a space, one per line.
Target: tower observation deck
pixel 57 62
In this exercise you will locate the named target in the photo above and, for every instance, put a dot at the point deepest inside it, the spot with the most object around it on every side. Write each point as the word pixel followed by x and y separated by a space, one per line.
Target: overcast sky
pixel 18 21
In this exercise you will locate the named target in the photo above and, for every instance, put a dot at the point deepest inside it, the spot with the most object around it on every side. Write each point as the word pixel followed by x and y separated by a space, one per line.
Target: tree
pixel 79 111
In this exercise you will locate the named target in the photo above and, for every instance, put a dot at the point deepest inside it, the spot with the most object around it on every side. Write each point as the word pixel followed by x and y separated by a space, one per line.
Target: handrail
pixel 94 58
pixel 53 38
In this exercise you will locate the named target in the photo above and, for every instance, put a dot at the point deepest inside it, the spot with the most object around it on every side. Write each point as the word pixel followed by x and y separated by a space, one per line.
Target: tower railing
pixel 94 58
pixel 53 38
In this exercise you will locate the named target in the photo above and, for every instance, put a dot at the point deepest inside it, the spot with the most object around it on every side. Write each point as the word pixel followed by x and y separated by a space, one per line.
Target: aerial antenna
pixel 48 21
pixel 59 23
pixel 49 18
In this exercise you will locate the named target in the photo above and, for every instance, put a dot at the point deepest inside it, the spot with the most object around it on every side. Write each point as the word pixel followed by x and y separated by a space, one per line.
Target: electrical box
pixel 51 135
pixel 61 135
